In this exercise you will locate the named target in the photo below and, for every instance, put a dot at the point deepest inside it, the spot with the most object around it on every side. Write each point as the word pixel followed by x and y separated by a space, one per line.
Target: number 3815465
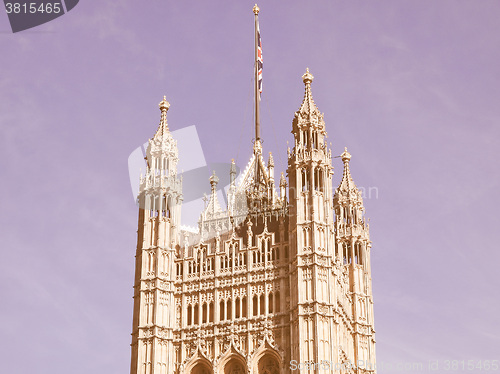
pixel 31 8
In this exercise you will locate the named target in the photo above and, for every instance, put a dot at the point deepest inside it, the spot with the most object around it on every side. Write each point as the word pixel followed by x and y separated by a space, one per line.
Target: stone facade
pixel 274 283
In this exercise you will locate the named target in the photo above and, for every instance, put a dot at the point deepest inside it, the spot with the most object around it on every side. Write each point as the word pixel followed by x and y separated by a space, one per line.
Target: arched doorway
pixel 201 368
pixel 234 366
pixel 268 364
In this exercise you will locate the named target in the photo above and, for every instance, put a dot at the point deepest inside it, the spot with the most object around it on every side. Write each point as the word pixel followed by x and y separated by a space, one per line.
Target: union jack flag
pixel 259 61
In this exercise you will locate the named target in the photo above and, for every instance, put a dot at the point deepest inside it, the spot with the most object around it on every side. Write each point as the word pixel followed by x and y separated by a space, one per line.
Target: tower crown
pixel 161 172
pixel 163 131
pixel 347 188
pixel 162 152
pixel 308 113
pixel 348 199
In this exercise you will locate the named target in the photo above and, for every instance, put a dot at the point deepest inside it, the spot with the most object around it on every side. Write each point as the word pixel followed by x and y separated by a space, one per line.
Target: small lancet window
pixel 222 313
pixel 204 313
pixel 270 302
pixel 237 308
pixel 189 315
pixel 196 315
pixel 304 180
pixel 211 312
pixel 244 307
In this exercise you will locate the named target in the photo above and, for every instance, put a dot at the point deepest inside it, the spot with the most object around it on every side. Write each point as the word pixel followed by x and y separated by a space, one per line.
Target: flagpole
pixel 256 73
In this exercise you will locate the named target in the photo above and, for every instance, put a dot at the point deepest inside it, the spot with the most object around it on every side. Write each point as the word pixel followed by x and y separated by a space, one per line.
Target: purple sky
pixel 412 88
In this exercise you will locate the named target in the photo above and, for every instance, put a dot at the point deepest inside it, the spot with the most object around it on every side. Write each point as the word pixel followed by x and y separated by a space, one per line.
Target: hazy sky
pixel 412 88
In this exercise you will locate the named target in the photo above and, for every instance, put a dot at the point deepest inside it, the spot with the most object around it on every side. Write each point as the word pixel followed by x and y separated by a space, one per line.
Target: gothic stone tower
pixel 275 283
pixel 160 199
pixel 311 235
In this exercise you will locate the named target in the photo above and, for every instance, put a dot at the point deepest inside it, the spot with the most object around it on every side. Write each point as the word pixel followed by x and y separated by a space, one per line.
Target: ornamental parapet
pixel 169 182
pixel 351 229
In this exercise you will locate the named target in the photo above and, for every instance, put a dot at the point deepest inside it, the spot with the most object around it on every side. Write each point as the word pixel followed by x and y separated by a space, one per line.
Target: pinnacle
pixel 347 184
pixel 162 131
pixel 232 169
pixel 214 180
pixel 213 207
pixel 308 106
pixel 282 180
pixel 271 160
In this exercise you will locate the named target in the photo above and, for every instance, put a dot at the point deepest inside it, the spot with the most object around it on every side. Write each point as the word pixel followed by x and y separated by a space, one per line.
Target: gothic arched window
pixel 268 365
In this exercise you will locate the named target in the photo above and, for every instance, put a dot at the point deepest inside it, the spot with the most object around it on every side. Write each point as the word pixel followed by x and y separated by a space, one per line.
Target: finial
pixel 257 147
pixel 346 156
pixel 256 9
pixel 232 169
pixel 164 104
pixel 282 180
pixel 271 160
pixel 307 78
pixel 214 180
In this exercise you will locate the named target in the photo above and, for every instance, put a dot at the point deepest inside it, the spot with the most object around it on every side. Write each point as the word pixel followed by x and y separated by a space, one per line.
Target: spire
pixel 283 188
pixel 308 113
pixel 213 209
pixel 231 193
pixel 270 163
pixel 232 172
pixel 163 130
pixel 162 152
pixel 308 106
pixel 347 188
pixel 282 180
pixel 214 180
